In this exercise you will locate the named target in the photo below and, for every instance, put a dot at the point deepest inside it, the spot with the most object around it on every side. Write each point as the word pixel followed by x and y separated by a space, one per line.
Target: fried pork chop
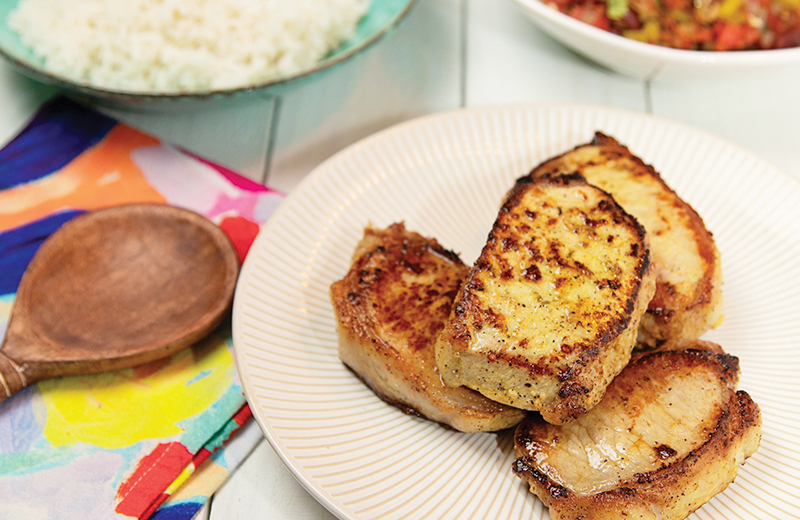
pixel 688 299
pixel 548 314
pixel 389 308
pixel 668 436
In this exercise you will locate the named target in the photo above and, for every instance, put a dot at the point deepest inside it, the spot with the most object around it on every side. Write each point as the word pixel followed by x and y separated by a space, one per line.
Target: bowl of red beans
pixel 650 39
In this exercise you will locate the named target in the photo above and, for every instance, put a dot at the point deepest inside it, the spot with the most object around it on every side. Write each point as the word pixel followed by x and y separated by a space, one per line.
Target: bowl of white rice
pixel 153 49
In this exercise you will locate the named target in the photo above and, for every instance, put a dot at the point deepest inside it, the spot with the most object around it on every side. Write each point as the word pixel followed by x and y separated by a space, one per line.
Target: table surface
pixel 447 54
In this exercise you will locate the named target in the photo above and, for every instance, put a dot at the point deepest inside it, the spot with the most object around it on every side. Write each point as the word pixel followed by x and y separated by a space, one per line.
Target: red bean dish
pixel 714 25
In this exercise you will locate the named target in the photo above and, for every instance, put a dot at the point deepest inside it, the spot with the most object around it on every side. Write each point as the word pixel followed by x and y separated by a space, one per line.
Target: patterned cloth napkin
pixel 154 441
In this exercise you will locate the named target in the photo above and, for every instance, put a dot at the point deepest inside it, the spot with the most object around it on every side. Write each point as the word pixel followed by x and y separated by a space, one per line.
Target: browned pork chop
pixel 668 436
pixel 688 299
pixel 548 314
pixel 389 308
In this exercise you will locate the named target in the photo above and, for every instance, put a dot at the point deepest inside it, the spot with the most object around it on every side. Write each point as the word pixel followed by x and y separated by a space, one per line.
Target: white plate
pixel 445 176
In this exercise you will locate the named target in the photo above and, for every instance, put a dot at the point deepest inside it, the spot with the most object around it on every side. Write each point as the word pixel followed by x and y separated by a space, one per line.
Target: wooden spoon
pixel 114 288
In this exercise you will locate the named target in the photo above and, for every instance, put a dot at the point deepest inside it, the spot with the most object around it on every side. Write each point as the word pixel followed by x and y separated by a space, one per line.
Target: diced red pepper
pixel 678 5
pixel 593 14
pixel 789 39
pixel 731 36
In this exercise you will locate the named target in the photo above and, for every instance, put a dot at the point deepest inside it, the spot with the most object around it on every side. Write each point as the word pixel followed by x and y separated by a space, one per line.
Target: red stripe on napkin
pixel 154 473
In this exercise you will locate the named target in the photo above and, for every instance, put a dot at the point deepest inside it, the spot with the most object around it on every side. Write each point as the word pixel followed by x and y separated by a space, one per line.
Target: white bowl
pixel 648 61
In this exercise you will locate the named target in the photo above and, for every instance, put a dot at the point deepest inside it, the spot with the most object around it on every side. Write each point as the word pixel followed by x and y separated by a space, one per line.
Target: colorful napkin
pixel 153 441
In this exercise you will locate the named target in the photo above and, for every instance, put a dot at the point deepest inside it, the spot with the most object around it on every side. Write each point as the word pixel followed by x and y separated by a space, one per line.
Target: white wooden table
pixel 447 54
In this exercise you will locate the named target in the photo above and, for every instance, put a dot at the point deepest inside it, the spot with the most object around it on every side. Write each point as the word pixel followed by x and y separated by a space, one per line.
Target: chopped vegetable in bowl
pixel 716 25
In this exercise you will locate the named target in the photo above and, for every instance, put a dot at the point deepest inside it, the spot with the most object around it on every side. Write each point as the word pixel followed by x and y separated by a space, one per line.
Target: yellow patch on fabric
pixel 204 481
pixel 185 474
pixel 118 409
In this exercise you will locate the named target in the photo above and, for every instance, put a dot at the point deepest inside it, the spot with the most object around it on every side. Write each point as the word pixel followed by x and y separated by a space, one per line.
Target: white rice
pixel 183 45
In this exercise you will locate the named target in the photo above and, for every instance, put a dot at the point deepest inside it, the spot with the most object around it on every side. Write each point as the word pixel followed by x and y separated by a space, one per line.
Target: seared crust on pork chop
pixel 389 308
pixel 668 436
pixel 688 299
pixel 548 314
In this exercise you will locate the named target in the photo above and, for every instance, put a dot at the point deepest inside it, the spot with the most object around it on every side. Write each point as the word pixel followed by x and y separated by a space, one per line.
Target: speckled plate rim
pixel 445 175
pixel 396 10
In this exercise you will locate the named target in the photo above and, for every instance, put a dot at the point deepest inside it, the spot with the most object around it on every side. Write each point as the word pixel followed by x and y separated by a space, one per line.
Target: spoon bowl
pixel 114 288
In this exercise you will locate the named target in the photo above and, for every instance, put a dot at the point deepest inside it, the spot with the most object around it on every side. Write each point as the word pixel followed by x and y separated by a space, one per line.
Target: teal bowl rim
pixel 335 58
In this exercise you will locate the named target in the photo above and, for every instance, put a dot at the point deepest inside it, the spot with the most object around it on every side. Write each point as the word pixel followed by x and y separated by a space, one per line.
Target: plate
pixel 648 61
pixel 445 176
pixel 383 15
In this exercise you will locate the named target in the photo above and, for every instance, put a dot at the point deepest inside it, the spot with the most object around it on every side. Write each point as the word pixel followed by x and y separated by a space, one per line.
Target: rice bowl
pixel 295 62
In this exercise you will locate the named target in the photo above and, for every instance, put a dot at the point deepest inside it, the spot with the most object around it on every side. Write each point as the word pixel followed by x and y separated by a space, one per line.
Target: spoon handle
pixel 12 377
